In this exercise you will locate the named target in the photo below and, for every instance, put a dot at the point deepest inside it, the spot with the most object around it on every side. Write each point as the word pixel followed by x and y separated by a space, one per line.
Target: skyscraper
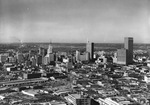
pixel 90 49
pixel 42 51
pixel 128 45
pixel 125 55
pixel 50 49
pixel 77 55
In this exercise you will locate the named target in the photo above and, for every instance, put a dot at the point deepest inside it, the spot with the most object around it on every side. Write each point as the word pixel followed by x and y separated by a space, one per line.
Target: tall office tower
pixel 128 45
pixel 87 56
pixel 90 49
pixel 50 49
pixel 77 55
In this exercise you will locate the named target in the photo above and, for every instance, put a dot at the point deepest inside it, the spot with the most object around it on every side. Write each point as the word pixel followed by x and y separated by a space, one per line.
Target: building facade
pixel 42 51
pixel 125 55
pixel 128 45
pixel 122 56
pixel 90 49
pixel 77 56
pixel 50 49
pixel 78 99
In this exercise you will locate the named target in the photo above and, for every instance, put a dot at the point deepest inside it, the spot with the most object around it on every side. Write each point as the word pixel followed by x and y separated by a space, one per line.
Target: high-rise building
pixel 84 56
pixel 128 45
pixel 42 51
pixel 90 49
pixel 77 56
pixel 48 58
pixel 50 49
pixel 87 56
pixel 125 56
pixel 122 56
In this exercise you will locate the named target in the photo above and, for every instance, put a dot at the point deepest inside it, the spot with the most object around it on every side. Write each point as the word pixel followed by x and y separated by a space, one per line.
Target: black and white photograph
pixel 74 52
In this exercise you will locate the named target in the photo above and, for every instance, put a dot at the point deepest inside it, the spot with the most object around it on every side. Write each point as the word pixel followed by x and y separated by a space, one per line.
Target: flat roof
pixel 32 91
pixel 23 81
pixel 76 95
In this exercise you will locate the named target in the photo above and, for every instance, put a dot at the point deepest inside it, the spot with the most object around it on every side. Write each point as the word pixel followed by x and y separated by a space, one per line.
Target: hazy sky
pixel 74 20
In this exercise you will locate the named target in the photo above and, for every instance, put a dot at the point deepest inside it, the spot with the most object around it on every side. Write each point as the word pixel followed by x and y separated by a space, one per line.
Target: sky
pixel 74 21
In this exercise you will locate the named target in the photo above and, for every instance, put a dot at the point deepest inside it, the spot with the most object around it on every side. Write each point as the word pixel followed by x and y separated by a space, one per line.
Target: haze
pixel 100 21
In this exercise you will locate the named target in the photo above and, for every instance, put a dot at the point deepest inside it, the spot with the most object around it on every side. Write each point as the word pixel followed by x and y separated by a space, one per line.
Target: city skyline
pixel 69 21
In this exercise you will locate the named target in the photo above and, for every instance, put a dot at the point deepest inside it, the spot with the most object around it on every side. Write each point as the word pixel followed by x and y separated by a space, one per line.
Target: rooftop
pixel 22 81
pixel 76 95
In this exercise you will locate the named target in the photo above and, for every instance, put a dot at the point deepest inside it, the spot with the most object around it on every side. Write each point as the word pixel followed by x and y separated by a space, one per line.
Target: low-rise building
pixel 34 92
pixel 78 99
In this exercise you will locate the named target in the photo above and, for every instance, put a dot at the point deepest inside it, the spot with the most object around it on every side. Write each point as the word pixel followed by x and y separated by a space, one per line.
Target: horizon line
pixel 70 42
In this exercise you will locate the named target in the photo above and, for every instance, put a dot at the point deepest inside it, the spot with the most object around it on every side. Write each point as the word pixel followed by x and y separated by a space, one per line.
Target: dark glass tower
pixel 128 45
pixel 90 49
